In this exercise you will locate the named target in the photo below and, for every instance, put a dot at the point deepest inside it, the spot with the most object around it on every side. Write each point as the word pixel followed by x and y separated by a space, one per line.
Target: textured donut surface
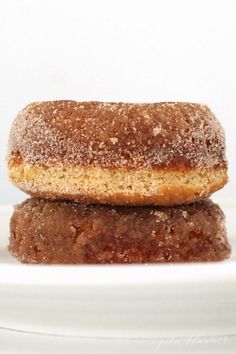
pixel 57 232
pixel 118 153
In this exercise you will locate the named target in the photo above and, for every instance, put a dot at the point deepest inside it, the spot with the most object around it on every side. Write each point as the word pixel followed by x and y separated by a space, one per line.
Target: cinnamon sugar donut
pixel 118 153
pixel 66 232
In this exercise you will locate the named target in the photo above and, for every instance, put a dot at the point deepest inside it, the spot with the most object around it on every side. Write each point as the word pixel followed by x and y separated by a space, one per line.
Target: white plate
pixel 139 302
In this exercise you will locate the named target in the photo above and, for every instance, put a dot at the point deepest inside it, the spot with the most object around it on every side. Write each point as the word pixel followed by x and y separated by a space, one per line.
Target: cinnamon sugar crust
pixel 60 149
pixel 65 232
pixel 128 135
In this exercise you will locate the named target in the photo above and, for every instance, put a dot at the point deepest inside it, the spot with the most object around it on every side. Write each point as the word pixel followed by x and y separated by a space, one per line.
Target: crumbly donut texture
pixel 118 153
pixel 55 232
pixel 117 186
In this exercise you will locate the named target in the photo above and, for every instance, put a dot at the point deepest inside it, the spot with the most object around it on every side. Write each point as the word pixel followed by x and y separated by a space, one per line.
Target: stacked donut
pixel 117 183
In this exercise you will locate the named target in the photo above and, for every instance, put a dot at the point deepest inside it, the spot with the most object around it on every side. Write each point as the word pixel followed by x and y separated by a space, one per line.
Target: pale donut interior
pixel 142 186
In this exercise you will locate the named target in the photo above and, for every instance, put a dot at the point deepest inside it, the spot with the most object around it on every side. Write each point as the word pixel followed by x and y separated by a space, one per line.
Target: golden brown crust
pixel 111 135
pixel 64 232
pixel 159 140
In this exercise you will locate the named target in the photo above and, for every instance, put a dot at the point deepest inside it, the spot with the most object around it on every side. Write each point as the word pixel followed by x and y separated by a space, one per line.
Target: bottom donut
pixel 54 232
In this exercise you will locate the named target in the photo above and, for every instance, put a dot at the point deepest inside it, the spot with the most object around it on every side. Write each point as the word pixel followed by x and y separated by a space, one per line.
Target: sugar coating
pixel 64 232
pixel 117 135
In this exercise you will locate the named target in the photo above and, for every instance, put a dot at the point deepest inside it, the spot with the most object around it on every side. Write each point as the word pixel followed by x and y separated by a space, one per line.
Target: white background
pixel 117 51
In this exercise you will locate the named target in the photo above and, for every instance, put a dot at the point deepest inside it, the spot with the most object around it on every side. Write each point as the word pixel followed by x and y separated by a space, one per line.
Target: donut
pixel 60 232
pixel 117 153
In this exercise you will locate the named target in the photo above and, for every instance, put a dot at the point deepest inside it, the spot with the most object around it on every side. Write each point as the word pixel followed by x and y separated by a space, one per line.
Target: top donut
pixel 118 153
